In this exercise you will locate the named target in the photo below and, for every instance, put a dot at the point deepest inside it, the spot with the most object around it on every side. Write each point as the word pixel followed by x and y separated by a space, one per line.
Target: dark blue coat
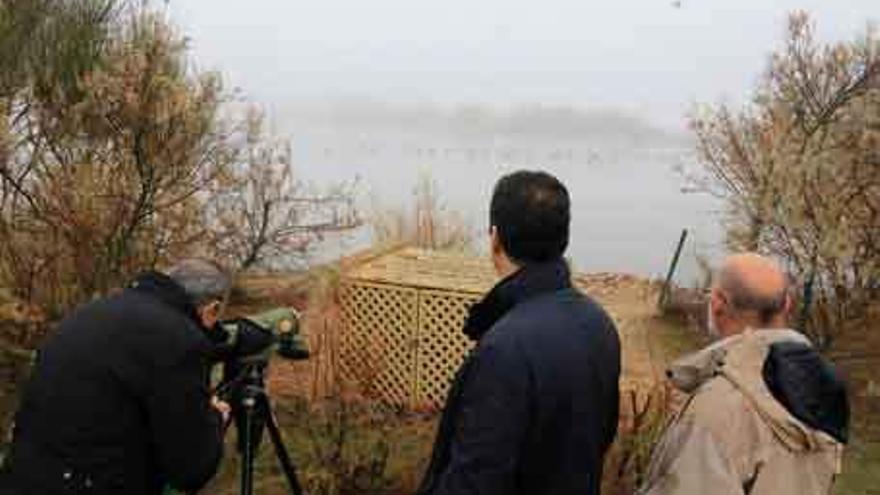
pixel 534 408
pixel 118 400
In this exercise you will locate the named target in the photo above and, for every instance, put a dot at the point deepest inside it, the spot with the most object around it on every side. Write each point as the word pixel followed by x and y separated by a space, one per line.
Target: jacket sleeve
pixel 492 423
pixel 689 459
pixel 186 429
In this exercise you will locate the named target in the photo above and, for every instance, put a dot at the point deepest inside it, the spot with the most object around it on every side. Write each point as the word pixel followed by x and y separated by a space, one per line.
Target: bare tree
pixel 117 156
pixel 799 169
pixel 265 215
pixel 107 178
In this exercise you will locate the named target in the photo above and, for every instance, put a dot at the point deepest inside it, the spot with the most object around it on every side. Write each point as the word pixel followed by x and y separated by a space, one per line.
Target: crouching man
pixel 118 400
pixel 767 414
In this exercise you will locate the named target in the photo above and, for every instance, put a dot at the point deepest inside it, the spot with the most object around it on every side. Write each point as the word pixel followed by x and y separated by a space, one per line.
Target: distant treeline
pixel 533 120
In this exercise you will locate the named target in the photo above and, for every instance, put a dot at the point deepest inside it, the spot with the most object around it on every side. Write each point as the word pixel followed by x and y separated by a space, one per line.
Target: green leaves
pixel 49 44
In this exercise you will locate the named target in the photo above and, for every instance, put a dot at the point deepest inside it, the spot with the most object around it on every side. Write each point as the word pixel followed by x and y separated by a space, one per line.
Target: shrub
pixel 117 156
pixel 799 169
pixel 644 417
pixel 429 224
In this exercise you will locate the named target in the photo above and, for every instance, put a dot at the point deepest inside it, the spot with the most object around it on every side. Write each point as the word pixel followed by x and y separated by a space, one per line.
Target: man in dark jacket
pixel 534 407
pixel 118 400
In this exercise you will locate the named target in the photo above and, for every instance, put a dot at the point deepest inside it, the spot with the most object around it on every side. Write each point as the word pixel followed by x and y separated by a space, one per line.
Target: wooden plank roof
pixel 424 269
pixel 445 271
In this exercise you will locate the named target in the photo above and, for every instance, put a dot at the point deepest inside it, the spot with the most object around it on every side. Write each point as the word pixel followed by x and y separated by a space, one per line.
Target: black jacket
pixel 118 401
pixel 534 407
pixel 808 386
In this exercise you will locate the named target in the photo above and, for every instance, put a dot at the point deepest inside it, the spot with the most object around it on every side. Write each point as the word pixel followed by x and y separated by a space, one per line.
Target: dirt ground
pixel 628 303
pixel 649 342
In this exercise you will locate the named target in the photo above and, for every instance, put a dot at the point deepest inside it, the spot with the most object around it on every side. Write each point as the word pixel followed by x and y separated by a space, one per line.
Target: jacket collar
pixel 165 289
pixel 529 281
pixel 690 372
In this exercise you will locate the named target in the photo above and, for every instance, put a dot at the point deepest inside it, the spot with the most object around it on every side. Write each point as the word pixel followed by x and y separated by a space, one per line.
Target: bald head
pixel 750 291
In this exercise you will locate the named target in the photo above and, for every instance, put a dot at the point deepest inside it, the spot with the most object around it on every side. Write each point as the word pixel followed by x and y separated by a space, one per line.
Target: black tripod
pixel 252 412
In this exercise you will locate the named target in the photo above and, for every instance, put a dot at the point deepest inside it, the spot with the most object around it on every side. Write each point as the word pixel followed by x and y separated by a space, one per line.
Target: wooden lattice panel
pixel 377 346
pixel 442 345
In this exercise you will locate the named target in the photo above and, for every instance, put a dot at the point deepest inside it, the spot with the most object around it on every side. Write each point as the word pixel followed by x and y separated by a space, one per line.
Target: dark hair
pixel 531 212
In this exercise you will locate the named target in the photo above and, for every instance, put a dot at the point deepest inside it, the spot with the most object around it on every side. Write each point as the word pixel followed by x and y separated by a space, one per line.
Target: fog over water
pixel 623 177
pixel 594 92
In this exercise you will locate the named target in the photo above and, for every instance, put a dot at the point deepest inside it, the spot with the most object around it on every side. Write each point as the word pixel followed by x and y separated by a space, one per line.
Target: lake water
pixel 628 208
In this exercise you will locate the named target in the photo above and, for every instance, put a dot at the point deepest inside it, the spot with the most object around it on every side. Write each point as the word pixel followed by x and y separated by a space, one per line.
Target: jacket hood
pixel 808 386
pixel 740 359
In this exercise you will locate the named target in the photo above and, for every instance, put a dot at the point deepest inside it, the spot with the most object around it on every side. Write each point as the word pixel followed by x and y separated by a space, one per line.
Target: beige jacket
pixel 733 437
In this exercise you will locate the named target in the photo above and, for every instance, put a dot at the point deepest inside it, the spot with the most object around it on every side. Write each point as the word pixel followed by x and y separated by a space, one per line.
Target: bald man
pixel 766 413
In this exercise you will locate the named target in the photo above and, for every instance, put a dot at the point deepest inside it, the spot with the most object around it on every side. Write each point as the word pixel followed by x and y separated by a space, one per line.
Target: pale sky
pixel 654 59
pixel 649 57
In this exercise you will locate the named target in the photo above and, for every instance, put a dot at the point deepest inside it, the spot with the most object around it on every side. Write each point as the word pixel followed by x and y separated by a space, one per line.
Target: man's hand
pixel 222 407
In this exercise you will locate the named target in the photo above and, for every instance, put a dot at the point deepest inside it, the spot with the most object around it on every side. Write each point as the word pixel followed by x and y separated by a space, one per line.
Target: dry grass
pixel 644 416
pixel 342 448
pixel 427 223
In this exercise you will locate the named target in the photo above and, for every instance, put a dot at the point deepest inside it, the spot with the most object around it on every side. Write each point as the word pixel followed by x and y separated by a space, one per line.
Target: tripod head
pixel 248 400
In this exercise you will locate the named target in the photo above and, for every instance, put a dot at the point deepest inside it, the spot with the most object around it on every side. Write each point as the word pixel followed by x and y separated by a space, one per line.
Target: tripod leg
pixel 247 453
pixel 281 451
